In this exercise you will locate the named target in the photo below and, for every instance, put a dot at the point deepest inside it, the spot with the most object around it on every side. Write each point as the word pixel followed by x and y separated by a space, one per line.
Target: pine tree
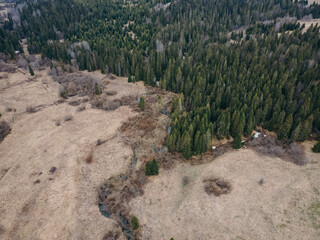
pixel 135 223
pixel 129 78
pixel 142 104
pixel 237 142
pixel 151 168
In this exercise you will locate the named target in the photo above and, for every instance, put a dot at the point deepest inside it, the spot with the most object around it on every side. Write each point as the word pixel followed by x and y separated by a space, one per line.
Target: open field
pixel 47 189
pixel 280 208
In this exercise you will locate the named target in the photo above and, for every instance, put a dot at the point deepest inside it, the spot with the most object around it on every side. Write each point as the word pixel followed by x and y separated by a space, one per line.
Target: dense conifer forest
pixel 236 64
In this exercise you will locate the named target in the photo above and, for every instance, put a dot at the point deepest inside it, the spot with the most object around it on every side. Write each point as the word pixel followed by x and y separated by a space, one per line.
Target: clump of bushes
pixel 151 168
pixel 217 186
pixel 135 223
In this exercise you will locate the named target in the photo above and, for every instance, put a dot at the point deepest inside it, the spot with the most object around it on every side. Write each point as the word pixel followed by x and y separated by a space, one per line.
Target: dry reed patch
pixel 217 186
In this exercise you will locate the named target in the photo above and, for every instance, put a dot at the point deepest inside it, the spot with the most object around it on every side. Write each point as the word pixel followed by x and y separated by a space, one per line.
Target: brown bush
pixel 5 129
pixel 81 108
pixel 75 103
pixel 7 68
pixel 111 93
pixel 111 236
pixel 217 186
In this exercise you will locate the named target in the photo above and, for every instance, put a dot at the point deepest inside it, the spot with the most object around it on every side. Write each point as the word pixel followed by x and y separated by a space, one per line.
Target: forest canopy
pixel 236 64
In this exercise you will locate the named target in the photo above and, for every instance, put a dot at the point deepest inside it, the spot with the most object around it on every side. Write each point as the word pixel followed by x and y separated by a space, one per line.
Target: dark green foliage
pixel 316 147
pixel 186 146
pixel 64 94
pixel 31 71
pixel 142 104
pixel 237 142
pixel 284 129
pixel 135 223
pixel 129 78
pixel 151 168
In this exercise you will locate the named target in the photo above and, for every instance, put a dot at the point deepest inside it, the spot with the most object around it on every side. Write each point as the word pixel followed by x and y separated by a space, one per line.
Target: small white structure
pixel 256 135
pixel 243 141
pixel 264 135
pixel 214 148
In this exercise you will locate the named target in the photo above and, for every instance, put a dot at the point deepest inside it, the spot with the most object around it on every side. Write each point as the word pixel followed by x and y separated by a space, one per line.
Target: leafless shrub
pixel 270 146
pixel 4 76
pixel 81 108
pixel 36 181
pixel 102 103
pixel 217 186
pixel 5 129
pixel 111 93
pixel 185 180
pixel 68 117
pixel 78 84
pixel 52 170
pixel 111 236
pixel 75 103
pixel 7 68
pixel 89 158
pixel 84 100
pixel 110 106
pixel 9 109
pixel 60 101
pixel 22 63
pixel 31 109
pixel 99 142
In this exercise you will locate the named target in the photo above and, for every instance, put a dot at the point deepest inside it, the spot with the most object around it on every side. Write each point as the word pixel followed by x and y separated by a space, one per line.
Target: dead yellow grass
pixel 63 204
pixel 273 210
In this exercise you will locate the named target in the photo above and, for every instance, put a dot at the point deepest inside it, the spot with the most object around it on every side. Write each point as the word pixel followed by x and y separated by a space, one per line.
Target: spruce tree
pixel 142 104
pixel 186 146
pixel 31 71
pixel 284 129
pixel 237 142
pixel 316 147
